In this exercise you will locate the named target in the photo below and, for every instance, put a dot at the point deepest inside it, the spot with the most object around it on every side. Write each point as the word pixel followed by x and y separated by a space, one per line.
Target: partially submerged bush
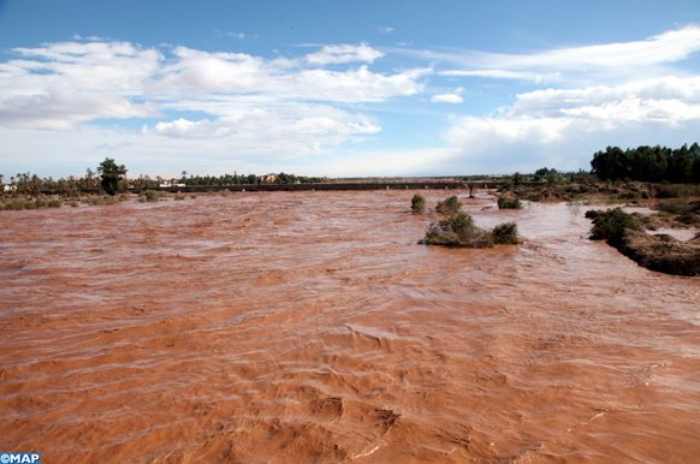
pixel 611 225
pixel 30 202
pixel 449 206
pixel 660 252
pixel 505 234
pixel 150 196
pixel 101 200
pixel 509 201
pixel 417 204
pixel 459 230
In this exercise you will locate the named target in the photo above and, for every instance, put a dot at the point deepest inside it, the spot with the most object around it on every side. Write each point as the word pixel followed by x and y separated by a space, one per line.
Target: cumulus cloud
pixel 248 102
pixel 281 127
pixel 344 53
pixel 567 125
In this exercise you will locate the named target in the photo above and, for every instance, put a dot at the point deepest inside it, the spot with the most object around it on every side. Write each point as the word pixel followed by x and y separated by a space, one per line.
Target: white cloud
pixel 453 97
pixel 668 47
pixel 668 98
pixel 621 60
pixel 199 102
pixel 447 98
pixel 344 53
pixel 254 128
pixel 387 29
pixel 563 127
pixel 67 83
pixel 503 74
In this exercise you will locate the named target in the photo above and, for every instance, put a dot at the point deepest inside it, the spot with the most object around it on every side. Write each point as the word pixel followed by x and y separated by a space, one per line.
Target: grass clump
pixel 509 202
pixel 101 200
pixel 459 230
pixel 417 204
pixel 20 202
pixel 449 206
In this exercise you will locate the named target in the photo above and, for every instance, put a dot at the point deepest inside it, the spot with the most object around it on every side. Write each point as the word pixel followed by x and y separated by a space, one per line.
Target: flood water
pixel 302 327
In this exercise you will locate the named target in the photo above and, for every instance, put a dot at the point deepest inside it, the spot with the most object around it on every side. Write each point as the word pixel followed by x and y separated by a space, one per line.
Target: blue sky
pixel 342 88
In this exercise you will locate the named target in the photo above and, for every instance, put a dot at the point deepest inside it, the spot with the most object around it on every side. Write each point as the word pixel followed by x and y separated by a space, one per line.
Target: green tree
pixel 111 174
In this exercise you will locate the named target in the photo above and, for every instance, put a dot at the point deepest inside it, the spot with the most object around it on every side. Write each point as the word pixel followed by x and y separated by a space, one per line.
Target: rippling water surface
pixel 310 327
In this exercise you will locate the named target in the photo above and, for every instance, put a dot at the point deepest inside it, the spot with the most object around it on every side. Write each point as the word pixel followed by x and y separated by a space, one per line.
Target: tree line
pixel 111 178
pixel 648 164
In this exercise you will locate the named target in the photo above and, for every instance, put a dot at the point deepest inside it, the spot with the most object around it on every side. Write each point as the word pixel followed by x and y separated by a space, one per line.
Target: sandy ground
pixel 310 327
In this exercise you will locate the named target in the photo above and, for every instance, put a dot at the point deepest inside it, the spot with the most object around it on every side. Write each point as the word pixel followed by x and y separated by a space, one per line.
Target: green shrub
pixel 180 197
pixel 150 196
pixel 417 204
pixel 17 204
pixel 450 206
pixel 509 202
pixel 611 225
pixel 54 203
pixel 505 234
pixel 460 230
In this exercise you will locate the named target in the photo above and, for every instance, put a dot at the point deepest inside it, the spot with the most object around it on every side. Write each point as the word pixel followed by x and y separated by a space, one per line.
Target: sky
pixel 352 88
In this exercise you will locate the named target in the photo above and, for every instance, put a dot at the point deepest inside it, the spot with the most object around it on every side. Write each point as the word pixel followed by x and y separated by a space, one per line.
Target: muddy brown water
pixel 310 327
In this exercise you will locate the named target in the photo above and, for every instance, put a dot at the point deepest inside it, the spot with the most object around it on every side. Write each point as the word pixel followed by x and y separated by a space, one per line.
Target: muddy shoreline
pixel 295 327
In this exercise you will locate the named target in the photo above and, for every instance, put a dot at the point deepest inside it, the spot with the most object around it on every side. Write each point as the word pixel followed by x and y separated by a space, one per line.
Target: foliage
pixel 101 200
pixel 649 164
pixel 417 204
pixel 611 225
pixel 449 206
pixel 19 202
pixel 460 230
pixel 505 234
pixel 111 174
pixel 150 196
pixel 551 176
pixel 509 202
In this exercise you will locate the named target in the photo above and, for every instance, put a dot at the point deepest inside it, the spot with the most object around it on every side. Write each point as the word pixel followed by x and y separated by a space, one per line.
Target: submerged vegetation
pixel 449 206
pixel 459 230
pixel 612 225
pixel 20 202
pixel 150 196
pixel 417 204
pixel 509 201
pixel 659 252
pixel 505 234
